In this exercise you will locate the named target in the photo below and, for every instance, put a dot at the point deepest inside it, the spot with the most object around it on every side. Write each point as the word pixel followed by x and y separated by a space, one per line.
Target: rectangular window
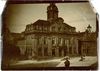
pixel 40 51
pixel 45 51
pixel 45 28
pixel 44 40
pixel 40 28
pixel 59 41
pixel 63 41
pixel 37 28
pixel 37 40
pixel 34 27
pixel 70 50
pixel 59 29
pixel 53 52
pixel 53 28
pixel 53 41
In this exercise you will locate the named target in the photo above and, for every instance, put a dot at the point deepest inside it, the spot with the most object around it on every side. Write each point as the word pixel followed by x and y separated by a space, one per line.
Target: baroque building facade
pixel 54 38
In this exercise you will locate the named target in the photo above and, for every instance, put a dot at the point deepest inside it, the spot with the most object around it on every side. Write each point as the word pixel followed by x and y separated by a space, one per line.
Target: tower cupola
pixel 52 12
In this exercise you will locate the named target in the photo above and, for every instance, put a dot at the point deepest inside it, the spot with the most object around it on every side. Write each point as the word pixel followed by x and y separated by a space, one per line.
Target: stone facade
pixel 53 38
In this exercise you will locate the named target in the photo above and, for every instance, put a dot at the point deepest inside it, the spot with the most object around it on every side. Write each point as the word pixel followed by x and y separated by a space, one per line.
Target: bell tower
pixel 52 12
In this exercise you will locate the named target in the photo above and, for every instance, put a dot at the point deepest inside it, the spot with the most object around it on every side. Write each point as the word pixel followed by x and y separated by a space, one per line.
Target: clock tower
pixel 52 12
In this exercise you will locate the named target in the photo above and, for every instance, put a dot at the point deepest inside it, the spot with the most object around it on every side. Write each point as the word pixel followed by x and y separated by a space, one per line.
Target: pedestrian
pixel 67 63
pixel 82 57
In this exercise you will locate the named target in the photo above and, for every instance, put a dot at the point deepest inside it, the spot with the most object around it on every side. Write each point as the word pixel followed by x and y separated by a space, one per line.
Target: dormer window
pixel 37 27
pixel 59 29
pixel 26 29
pixel 45 28
pixel 34 27
pixel 64 29
pixel 31 28
pixel 53 28
pixel 40 28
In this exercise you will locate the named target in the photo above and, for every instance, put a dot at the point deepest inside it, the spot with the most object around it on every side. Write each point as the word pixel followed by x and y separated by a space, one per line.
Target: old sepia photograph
pixel 49 35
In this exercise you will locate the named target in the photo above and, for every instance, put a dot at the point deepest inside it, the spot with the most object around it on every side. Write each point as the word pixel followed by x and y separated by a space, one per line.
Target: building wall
pixel 55 45
pixel 48 45
pixel 89 48
pixel 52 38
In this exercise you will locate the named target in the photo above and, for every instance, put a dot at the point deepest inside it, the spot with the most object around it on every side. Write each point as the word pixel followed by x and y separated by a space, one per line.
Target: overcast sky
pixel 78 15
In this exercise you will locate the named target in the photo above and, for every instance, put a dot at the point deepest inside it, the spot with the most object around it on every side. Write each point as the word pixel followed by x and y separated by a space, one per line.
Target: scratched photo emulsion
pixel 49 36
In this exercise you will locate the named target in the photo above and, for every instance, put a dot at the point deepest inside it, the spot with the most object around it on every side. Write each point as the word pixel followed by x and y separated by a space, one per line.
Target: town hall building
pixel 55 38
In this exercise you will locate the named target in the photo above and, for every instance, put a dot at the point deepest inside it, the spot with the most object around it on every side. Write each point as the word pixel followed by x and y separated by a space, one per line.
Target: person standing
pixel 67 63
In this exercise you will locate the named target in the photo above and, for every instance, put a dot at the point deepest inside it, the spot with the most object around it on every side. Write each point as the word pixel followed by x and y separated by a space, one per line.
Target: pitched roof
pixel 41 22
pixel 90 37
pixel 68 25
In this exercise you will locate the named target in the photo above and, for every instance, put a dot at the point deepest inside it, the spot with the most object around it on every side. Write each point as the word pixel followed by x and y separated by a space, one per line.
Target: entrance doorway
pixel 39 51
pixel 53 52
pixel 60 51
pixel 65 51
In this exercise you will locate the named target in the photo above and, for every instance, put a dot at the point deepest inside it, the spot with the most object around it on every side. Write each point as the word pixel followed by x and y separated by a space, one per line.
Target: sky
pixel 78 15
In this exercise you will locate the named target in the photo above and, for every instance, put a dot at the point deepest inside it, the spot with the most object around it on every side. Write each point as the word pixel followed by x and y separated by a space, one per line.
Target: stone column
pixel 76 46
pixel 49 43
pixel 36 47
pixel 72 50
pixel 72 45
pixel 62 53
pixel 68 47
pixel 50 51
